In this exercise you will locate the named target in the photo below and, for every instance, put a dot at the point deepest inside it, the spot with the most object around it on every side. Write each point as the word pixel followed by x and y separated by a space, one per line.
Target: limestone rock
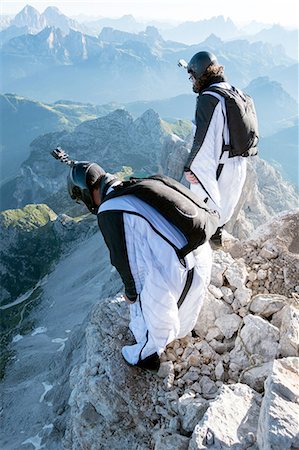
pixel 278 421
pixel 256 377
pixel 257 343
pixel 266 305
pixel 191 409
pixel 228 324
pixel 243 295
pixel 236 274
pixel 223 425
pixel 289 332
pixel 115 393
pixel 170 441
pixel 211 310
pixel 221 261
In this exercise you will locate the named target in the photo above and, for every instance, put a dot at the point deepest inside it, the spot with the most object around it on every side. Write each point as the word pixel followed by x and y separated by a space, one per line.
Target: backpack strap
pixel 225 134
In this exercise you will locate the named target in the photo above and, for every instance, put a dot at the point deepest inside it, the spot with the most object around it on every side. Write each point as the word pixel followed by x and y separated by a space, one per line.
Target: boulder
pixel 228 324
pixel 267 305
pixel 278 422
pixel 236 274
pixel 289 332
pixel 230 421
pixel 211 310
pixel 191 409
pixel 257 343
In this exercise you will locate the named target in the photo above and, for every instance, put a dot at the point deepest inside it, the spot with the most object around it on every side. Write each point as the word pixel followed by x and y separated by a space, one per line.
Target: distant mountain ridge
pixel 23 120
pixel 120 66
pixel 31 18
pixel 195 32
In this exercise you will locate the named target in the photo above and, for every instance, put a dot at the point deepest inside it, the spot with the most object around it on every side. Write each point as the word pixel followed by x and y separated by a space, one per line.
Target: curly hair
pixel 212 72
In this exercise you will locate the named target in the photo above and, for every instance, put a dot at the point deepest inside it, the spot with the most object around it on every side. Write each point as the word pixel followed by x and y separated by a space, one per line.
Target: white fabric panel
pixel 160 279
pixel 134 204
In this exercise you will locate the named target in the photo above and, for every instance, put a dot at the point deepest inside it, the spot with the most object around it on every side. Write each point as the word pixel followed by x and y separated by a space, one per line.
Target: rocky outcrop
pixel 35 238
pixel 231 383
pixel 272 255
pixel 113 141
pixel 265 193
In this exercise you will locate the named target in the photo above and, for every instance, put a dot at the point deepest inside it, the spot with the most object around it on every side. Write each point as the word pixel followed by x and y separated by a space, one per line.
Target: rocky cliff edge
pixel 231 384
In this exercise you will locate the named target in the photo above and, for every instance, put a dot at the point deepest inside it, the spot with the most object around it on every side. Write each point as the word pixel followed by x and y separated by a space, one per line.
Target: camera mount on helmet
pixel 81 179
pixel 62 156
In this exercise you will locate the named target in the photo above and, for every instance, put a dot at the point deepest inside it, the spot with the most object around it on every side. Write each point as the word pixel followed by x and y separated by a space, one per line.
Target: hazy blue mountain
pixel 11 32
pixel 281 149
pixel 35 22
pixel 288 77
pixel 120 66
pixel 195 32
pixel 255 27
pixel 124 23
pixel 5 21
pixel 278 35
pixel 276 109
pixel 54 18
pixel 179 107
pixel 31 18
pixel 22 120
pixel 114 140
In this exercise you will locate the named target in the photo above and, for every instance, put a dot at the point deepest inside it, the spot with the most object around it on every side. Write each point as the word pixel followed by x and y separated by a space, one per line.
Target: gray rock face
pixel 197 389
pixel 265 194
pixel 279 274
pixel 106 392
pixel 223 425
pixel 278 421
pixel 113 141
pixel 289 332
pixel 266 305
pixel 259 339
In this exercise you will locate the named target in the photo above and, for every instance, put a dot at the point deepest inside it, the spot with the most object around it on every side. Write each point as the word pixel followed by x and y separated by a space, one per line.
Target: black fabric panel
pixel 205 107
pixel 111 224
pixel 187 287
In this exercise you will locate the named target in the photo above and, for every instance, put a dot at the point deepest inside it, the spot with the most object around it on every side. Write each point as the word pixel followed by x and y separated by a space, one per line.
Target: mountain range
pixel 23 120
pixel 120 66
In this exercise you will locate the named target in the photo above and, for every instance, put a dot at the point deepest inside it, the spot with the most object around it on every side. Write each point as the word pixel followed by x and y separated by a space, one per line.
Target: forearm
pixel 112 228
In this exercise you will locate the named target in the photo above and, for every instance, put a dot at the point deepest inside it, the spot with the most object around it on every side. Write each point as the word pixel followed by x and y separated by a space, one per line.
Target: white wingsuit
pixel 222 194
pixel 160 278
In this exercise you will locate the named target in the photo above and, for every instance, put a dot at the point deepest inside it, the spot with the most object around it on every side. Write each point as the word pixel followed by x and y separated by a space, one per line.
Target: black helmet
pixel 199 63
pixel 83 175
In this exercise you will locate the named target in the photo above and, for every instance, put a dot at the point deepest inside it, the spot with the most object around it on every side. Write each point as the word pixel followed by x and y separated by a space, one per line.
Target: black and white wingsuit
pixel 206 155
pixel 168 294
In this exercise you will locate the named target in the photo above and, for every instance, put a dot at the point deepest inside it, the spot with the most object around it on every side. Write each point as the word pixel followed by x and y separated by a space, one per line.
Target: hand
pixel 128 300
pixel 191 177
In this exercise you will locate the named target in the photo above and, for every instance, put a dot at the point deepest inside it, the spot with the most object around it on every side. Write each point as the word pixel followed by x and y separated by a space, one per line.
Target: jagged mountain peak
pixel 52 9
pixel 28 10
pixel 30 17
pixel 213 40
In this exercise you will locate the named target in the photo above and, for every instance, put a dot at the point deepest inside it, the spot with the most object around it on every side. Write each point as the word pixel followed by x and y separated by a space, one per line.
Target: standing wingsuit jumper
pixel 220 191
pixel 165 293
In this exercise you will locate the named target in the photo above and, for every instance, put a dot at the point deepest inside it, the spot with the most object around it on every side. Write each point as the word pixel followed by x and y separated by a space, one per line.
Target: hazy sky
pixel 285 12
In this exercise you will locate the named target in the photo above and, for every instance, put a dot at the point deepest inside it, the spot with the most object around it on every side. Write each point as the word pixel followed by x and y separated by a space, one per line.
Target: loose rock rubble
pixel 231 383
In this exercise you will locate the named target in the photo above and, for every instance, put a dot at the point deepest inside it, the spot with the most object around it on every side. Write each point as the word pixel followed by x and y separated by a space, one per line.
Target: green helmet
pixel 81 178
pixel 199 63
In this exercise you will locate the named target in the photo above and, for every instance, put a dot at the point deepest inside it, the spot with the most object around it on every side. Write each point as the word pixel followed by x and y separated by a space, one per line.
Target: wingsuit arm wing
pixel 205 108
pixel 111 224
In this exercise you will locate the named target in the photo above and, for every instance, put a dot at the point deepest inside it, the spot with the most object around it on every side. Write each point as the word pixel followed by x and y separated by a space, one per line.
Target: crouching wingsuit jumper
pixel 164 289
pixel 167 295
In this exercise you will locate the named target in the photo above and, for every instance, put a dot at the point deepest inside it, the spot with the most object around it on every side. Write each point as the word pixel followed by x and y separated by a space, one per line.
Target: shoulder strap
pixel 221 94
